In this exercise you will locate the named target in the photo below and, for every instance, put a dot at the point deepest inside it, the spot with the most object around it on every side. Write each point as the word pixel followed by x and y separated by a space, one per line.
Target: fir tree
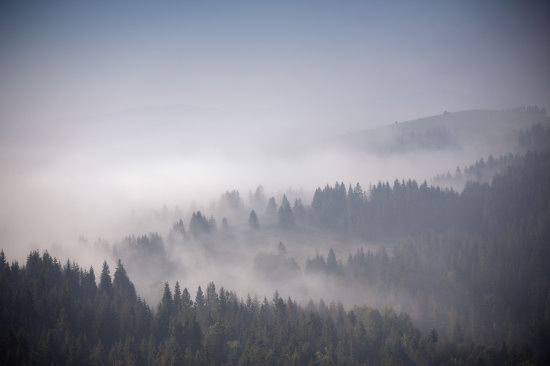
pixel 285 216
pixel 271 208
pixel 105 284
pixel 253 220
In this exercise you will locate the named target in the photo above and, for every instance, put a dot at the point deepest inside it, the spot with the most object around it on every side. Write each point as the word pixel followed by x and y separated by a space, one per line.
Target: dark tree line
pixel 533 139
pixel 536 138
pixel 386 212
pixel 481 171
pixel 477 260
pixel 407 209
pixel 56 314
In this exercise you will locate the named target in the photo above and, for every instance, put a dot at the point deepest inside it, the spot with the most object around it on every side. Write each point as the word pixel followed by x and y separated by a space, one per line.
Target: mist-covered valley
pixel 275 184
pixel 396 235
pixel 165 213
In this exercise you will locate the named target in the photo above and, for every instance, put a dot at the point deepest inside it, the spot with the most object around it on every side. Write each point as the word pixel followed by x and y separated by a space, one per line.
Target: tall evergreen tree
pixel 186 301
pixel 198 225
pixel 199 299
pixel 165 310
pixel 332 264
pixel 211 296
pixel 271 208
pixel 178 305
pixel 253 220
pixel 285 215
pixel 105 284
pixel 121 283
pixel 225 225
pixel 212 226
pixel 167 298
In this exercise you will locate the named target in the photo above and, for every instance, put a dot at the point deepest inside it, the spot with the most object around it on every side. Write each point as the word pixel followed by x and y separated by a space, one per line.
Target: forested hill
pixel 471 264
pixel 536 138
pixel 53 314
pixel 518 196
pixel 475 260
pixel 488 129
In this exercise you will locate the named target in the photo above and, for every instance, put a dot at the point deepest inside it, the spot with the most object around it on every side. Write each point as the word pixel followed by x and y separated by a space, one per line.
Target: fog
pixel 101 178
pixel 80 187
pixel 124 122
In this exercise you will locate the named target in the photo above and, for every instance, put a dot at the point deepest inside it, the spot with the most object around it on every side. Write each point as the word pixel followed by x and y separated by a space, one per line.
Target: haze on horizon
pixel 106 108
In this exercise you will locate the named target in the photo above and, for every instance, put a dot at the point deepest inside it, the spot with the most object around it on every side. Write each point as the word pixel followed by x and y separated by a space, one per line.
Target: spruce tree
pixel 105 284
pixel 186 301
pixel 285 215
pixel 121 283
pixel 199 299
pixel 332 264
pixel 211 296
pixel 225 225
pixel 271 209
pixel 253 220
pixel 177 297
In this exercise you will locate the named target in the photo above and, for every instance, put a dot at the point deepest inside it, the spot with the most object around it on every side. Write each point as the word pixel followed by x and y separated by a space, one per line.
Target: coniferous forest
pixel 305 183
pixel 474 261
pixel 57 314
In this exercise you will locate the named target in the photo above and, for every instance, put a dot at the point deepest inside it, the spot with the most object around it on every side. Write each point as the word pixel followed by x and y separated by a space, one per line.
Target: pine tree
pixel 285 216
pixel 167 299
pixel 164 312
pixel 199 299
pixel 3 263
pixel 332 264
pixel 271 209
pixel 179 228
pixel 105 284
pixel 186 301
pixel 253 220
pixel 211 296
pixel 298 209
pixel 89 286
pixel 225 225
pixel 258 200
pixel 212 226
pixel 177 298
pixel 121 283
pixel 198 225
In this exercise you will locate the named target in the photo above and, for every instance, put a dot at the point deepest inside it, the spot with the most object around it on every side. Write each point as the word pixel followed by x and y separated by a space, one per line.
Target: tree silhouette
pixel 253 220
pixel 285 216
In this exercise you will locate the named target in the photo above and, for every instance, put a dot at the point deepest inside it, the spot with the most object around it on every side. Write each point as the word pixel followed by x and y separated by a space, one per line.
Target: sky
pixel 349 63
pixel 109 105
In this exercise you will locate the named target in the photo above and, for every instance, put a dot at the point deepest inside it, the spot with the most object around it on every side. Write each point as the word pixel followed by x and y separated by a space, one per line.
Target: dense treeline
pixel 535 138
pixel 468 263
pixel 451 131
pixel 477 260
pixel 54 314
pixel 403 209
pixel 481 171
pixel 472 264
pixel 386 212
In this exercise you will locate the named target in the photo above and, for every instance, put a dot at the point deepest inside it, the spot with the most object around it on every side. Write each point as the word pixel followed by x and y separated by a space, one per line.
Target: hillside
pixel 54 314
pixel 496 130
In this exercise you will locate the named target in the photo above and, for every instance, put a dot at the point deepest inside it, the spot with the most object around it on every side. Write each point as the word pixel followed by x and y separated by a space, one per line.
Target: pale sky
pixel 108 106
pixel 358 63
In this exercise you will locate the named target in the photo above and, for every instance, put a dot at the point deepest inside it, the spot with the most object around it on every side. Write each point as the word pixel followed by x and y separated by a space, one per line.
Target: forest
pixel 472 268
pixel 275 183
pixel 58 314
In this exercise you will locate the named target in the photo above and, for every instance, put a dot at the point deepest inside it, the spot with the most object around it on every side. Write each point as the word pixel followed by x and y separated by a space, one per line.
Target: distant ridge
pixel 456 130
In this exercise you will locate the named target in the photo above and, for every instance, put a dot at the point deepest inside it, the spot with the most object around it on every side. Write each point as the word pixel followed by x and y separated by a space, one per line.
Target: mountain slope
pixel 54 314
pixel 493 129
